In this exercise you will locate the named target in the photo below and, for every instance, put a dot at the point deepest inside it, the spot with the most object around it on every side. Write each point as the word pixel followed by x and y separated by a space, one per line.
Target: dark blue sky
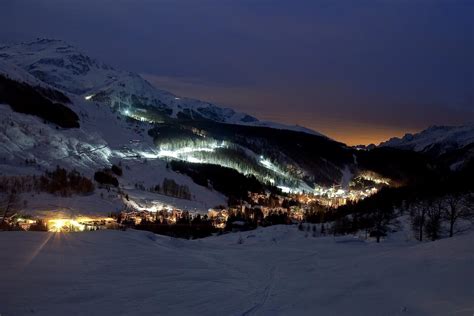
pixel 359 71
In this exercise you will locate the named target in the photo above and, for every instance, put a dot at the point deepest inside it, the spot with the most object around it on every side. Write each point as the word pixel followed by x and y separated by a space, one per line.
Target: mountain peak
pixel 66 68
pixel 439 137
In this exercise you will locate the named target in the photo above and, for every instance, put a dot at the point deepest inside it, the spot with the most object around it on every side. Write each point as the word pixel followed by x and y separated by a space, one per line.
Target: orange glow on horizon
pixel 249 100
pixel 347 132
pixel 363 136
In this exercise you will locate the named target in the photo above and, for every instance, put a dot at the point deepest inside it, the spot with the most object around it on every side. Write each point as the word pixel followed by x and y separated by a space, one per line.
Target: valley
pixel 117 197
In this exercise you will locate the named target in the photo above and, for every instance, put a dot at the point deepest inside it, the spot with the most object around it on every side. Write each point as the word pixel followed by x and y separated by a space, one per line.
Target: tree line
pixel 59 182
pixel 170 188
pixel 185 226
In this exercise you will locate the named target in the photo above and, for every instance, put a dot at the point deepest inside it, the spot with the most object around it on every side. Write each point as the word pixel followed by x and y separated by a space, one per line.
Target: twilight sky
pixel 358 71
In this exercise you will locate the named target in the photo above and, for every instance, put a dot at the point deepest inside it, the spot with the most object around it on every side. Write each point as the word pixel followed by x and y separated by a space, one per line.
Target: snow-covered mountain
pixel 49 81
pixel 68 69
pixel 435 140
pixel 30 145
pixel 61 108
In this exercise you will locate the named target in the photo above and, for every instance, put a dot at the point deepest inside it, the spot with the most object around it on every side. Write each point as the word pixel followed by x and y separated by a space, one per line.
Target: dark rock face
pixel 37 101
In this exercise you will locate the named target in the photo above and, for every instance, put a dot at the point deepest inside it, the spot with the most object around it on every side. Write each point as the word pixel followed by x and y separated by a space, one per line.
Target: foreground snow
pixel 276 271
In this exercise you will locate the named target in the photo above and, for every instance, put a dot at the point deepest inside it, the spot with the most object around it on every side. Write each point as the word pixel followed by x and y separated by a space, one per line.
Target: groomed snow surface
pixel 275 271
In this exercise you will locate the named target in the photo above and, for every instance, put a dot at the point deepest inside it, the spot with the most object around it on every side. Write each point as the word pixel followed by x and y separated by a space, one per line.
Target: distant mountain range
pixel 435 140
pixel 450 145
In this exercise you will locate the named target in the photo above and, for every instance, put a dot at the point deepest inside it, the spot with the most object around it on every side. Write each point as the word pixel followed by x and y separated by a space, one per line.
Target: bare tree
pixel 434 215
pixel 458 207
pixel 382 217
pixel 418 217
pixel 9 203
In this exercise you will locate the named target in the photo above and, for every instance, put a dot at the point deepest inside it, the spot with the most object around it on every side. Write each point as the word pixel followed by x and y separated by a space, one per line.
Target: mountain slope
pixel 452 147
pixel 31 145
pixel 122 119
pixel 56 64
pixel 66 68
pixel 38 101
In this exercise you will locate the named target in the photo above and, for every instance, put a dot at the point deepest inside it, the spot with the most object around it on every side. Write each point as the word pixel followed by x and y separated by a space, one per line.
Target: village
pixel 260 209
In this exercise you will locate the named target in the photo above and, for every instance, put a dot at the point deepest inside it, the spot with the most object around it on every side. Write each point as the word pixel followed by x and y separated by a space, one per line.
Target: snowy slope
pixel 436 139
pixel 87 149
pixel 105 137
pixel 68 69
pixel 18 74
pixel 92 147
pixel 276 271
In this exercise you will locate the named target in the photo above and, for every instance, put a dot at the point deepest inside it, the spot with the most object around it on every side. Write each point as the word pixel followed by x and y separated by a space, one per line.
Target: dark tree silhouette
pixel 9 204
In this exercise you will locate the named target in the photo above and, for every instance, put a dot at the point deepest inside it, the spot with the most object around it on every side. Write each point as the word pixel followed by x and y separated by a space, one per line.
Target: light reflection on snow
pixel 335 193
pixel 285 189
pixel 271 166
pixel 183 153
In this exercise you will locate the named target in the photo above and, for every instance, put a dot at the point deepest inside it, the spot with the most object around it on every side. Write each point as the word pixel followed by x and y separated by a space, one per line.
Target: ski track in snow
pixel 264 295
pixel 276 271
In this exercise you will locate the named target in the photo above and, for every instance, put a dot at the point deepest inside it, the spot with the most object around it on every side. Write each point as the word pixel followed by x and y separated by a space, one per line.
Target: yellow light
pixel 62 224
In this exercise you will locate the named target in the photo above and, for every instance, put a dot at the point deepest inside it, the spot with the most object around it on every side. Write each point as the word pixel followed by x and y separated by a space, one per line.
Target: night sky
pixel 358 71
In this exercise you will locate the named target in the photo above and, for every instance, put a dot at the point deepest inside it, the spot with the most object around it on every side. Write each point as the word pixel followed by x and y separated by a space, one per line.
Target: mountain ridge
pixel 436 139
pixel 68 69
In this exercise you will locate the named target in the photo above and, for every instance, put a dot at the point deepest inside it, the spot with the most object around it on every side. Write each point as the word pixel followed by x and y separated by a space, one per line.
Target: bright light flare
pixel 62 224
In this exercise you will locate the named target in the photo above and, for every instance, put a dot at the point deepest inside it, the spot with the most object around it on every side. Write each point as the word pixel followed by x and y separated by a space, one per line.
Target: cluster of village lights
pixel 74 225
pixel 59 225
